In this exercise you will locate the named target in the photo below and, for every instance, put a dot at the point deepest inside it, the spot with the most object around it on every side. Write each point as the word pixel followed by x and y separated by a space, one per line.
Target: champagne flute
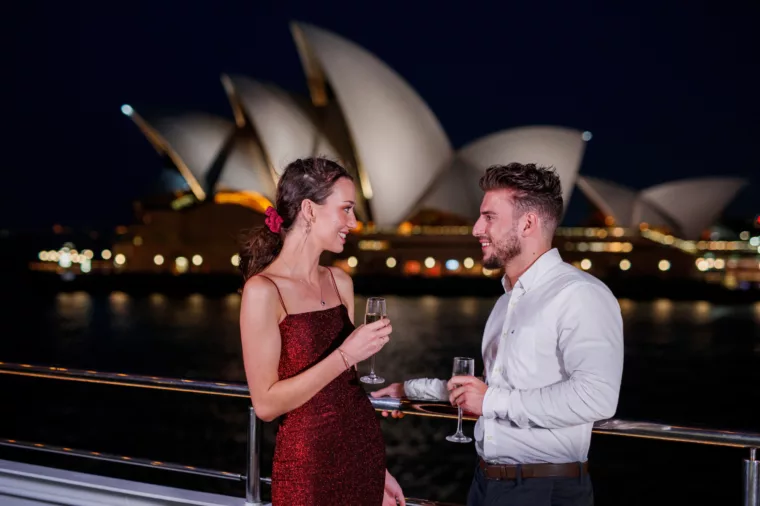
pixel 375 311
pixel 463 366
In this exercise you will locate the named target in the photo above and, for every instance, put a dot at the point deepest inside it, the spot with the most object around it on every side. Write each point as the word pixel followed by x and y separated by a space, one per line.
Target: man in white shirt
pixel 552 351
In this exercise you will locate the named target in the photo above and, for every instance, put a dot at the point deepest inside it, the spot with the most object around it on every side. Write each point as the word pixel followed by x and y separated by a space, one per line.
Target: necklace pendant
pixel 323 302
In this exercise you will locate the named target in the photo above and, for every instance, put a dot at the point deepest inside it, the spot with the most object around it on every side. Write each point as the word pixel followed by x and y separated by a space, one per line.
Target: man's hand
pixel 392 495
pixel 393 390
pixel 468 393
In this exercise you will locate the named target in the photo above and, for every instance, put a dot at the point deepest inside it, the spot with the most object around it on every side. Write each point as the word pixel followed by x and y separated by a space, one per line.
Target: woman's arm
pixel 260 334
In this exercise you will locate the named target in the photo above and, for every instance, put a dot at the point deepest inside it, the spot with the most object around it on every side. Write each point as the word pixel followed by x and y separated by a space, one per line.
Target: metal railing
pixel 252 478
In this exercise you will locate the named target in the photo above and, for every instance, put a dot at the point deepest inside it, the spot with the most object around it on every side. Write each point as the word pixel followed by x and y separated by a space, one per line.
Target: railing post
pixel 752 479
pixel 253 473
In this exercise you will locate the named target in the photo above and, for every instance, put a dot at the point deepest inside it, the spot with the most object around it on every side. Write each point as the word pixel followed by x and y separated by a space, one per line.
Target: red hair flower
pixel 273 220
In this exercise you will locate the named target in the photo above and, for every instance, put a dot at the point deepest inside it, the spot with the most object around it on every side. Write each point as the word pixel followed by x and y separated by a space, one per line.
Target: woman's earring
pixel 308 227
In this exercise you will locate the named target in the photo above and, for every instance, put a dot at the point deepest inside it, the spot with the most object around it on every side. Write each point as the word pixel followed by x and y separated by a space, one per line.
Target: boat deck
pixel 31 485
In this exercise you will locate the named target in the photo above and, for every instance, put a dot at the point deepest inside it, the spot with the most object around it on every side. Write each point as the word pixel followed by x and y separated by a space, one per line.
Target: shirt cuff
pixel 496 403
pixel 428 389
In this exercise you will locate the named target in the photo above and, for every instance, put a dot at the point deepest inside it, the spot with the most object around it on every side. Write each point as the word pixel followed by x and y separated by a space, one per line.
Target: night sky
pixel 668 91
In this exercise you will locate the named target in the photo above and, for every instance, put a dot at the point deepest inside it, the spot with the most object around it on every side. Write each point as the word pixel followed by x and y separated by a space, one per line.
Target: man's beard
pixel 504 251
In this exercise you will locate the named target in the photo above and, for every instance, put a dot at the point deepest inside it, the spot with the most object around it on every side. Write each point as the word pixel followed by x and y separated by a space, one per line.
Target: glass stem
pixel 372 366
pixel 459 420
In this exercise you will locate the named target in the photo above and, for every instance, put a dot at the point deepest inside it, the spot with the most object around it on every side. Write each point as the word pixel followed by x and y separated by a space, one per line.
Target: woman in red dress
pixel 300 346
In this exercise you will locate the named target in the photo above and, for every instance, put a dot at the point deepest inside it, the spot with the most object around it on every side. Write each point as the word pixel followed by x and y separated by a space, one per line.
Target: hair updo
pixel 308 178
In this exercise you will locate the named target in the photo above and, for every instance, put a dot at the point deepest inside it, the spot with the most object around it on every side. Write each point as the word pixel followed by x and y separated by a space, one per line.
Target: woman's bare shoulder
pixel 261 301
pixel 343 280
pixel 260 289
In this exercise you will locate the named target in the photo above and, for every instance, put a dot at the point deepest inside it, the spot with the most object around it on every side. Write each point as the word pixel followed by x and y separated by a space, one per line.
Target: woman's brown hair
pixel 308 178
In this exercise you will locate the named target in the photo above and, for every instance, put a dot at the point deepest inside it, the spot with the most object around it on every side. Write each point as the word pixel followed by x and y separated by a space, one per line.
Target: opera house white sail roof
pixel 457 191
pixel 694 203
pixel 400 147
pixel 367 116
pixel 209 153
pixel 688 206
pixel 286 131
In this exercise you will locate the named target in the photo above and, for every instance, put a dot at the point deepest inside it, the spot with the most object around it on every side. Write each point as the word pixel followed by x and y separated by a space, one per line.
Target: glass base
pixel 458 438
pixel 372 379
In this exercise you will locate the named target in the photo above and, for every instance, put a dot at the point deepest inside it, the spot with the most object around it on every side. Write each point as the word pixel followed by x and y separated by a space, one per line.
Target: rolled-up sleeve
pixel 495 403
pixel 426 389
pixel 590 344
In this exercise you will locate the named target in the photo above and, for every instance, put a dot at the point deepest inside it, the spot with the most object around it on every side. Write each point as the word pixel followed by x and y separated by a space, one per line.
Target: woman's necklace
pixel 321 298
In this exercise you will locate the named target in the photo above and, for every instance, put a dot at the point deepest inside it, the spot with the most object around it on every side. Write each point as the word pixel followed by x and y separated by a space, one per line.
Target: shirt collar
pixel 530 277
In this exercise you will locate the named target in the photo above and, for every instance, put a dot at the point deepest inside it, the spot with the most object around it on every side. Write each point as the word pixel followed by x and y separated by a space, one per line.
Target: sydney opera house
pixel 418 196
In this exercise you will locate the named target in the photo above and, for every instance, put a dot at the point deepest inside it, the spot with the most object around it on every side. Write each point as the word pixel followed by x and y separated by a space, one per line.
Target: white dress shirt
pixel 553 357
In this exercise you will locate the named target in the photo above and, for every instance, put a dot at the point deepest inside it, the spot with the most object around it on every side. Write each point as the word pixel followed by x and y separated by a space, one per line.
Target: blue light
pixel 586 136
pixel 452 264
pixel 127 110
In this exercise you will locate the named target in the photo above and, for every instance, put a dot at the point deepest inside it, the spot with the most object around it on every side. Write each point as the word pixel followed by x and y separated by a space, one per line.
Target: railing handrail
pixel 121 459
pixel 131 380
pixel 640 429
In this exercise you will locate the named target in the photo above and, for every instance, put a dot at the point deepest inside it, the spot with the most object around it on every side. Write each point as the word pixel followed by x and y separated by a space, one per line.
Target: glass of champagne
pixel 375 311
pixel 463 366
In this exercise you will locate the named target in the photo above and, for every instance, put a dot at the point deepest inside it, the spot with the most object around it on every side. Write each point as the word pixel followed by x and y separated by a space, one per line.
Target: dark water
pixel 686 363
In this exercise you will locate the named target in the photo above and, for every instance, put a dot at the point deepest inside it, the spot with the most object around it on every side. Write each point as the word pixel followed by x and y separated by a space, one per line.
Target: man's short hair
pixel 535 188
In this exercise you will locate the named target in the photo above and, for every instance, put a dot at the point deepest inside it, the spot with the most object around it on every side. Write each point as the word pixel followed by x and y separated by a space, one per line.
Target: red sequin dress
pixel 330 450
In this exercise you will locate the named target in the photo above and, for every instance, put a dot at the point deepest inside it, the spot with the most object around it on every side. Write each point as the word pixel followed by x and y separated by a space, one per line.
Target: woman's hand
pixel 366 340
pixel 393 495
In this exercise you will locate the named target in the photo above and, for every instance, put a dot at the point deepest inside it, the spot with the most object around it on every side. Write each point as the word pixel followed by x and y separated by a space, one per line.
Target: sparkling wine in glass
pixel 463 366
pixel 375 311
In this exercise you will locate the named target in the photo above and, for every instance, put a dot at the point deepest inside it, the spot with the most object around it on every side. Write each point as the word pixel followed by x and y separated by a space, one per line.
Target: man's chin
pixel 492 263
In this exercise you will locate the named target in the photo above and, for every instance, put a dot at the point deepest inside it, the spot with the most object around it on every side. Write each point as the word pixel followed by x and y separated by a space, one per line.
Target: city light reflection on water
pixel 119 301
pixel 626 306
pixel 158 300
pixel 417 320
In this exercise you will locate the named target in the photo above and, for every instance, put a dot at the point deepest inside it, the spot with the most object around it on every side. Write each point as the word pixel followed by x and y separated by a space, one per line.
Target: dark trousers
pixel 530 491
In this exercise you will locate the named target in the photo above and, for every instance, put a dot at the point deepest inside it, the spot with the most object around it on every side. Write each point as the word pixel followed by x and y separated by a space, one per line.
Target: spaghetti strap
pixel 278 292
pixel 335 285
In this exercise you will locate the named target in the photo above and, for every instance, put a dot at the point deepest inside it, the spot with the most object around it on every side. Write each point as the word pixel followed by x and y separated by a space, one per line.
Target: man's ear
pixel 528 223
